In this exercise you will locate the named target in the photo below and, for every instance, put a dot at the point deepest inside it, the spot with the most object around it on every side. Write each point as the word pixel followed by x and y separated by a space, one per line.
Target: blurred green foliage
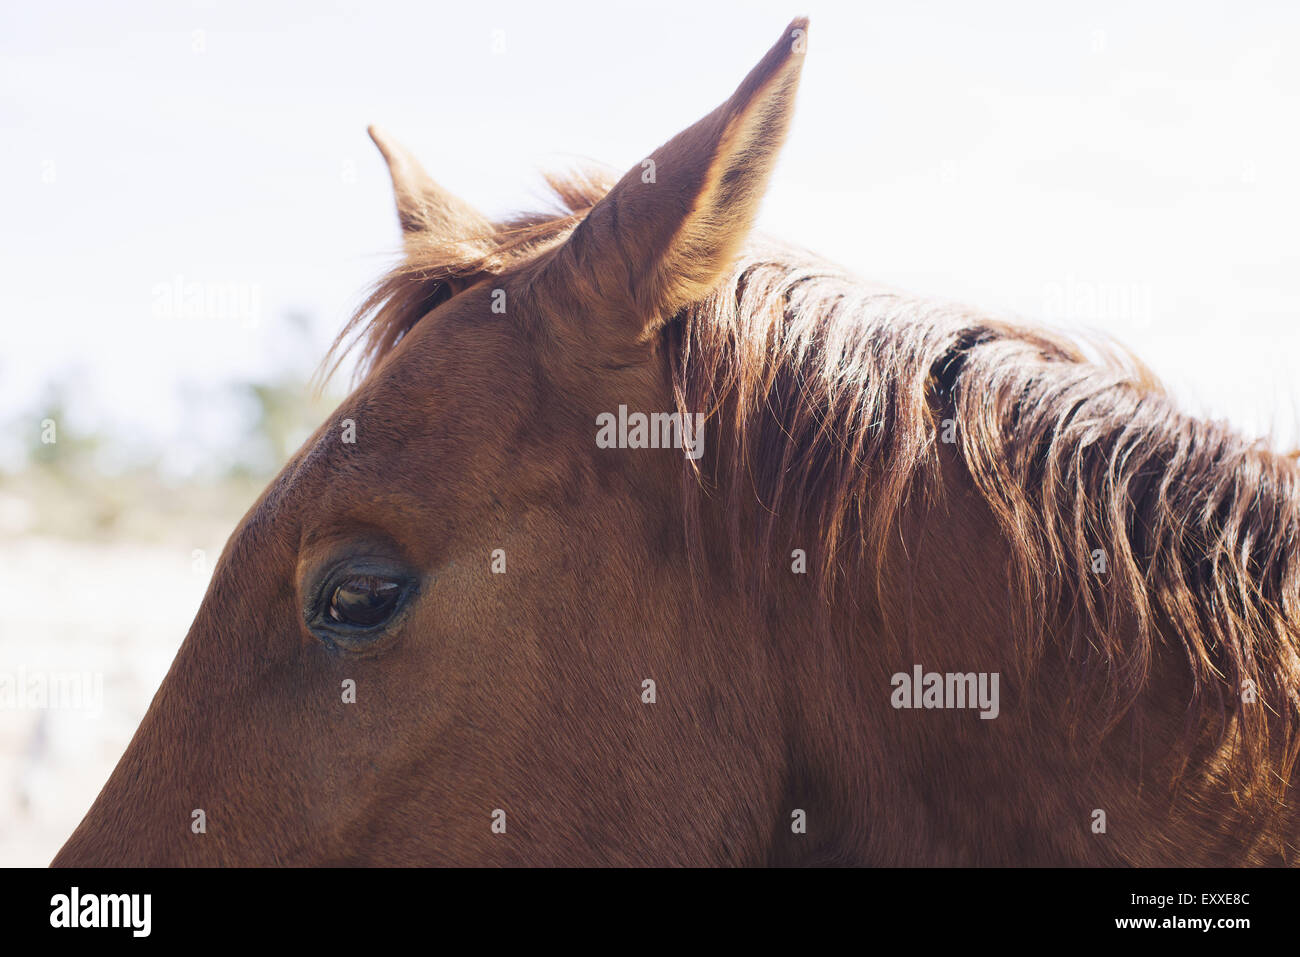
pixel 85 484
pixel 54 445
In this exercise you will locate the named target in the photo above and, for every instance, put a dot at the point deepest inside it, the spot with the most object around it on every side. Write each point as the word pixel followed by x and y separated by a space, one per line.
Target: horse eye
pixel 364 601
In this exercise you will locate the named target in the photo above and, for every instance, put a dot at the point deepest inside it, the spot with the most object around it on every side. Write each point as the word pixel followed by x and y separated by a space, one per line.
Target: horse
pixel 642 540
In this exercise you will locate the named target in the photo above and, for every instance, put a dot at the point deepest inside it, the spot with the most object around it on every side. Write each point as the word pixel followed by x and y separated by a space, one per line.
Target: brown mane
pixel 837 393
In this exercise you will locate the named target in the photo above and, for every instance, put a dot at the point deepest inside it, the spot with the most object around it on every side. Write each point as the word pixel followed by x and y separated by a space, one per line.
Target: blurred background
pixel 190 209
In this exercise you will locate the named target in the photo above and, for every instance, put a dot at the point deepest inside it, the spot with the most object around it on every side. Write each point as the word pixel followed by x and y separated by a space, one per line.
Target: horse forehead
pixel 302 475
pixel 316 464
pixel 356 448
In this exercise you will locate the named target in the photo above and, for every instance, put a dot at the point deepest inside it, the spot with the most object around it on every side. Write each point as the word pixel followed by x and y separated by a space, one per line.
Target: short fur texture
pixel 951 477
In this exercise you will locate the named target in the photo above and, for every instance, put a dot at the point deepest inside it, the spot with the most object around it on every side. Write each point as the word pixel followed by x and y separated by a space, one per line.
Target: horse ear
pixel 663 236
pixel 425 209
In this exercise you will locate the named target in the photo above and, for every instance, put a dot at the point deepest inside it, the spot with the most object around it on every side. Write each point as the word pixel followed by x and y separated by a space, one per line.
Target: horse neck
pixel 946 786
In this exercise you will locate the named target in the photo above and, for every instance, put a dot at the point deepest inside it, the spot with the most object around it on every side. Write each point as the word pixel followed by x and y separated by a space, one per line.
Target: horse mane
pixel 843 400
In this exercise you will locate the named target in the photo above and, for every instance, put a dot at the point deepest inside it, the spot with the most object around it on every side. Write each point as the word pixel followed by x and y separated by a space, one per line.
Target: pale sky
pixel 1131 169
